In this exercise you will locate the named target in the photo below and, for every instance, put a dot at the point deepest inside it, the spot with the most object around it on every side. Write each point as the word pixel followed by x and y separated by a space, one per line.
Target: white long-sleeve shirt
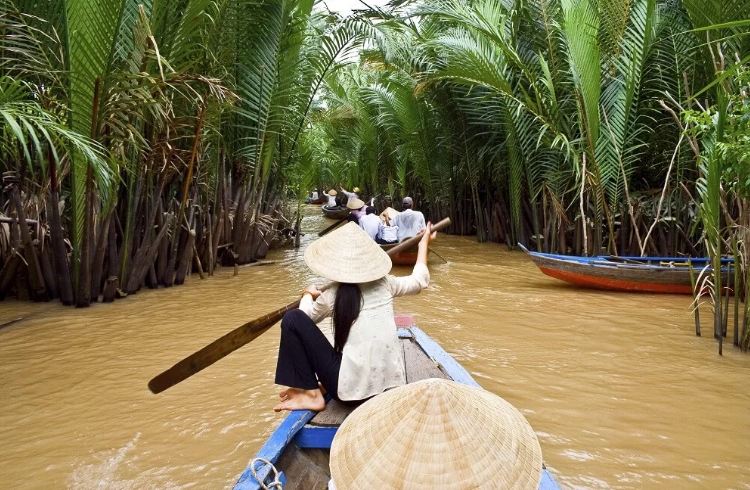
pixel 371 224
pixel 372 360
pixel 409 223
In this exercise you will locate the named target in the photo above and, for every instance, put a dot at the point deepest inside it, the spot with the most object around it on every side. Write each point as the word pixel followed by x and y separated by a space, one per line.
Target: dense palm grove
pixel 144 140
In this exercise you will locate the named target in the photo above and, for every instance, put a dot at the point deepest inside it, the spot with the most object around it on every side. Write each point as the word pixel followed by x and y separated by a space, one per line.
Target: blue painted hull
pixel 295 430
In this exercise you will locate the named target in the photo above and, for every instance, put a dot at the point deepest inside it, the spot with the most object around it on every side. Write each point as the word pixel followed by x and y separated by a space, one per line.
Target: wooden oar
pixel 240 336
pixel 331 228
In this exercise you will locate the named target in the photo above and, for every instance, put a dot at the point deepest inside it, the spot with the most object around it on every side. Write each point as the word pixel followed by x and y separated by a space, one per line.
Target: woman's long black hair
pixel 345 310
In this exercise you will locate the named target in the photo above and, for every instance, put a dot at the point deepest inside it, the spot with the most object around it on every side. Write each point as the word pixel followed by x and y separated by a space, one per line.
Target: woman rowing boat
pixel 365 358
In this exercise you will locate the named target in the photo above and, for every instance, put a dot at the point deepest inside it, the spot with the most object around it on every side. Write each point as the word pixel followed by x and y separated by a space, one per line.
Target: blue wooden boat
pixel 296 453
pixel 636 274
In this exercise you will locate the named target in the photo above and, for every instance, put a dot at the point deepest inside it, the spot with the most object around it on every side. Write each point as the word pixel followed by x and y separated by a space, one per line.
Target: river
pixel 618 388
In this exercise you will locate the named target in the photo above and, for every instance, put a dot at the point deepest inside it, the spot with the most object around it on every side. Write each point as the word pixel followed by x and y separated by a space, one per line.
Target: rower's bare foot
pixel 301 400
pixel 284 394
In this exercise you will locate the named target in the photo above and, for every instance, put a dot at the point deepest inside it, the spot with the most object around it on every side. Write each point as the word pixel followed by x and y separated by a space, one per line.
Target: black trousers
pixel 306 356
pixel 384 242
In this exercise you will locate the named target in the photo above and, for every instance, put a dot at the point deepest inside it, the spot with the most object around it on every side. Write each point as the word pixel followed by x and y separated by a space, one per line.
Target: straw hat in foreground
pixel 355 203
pixel 348 254
pixel 436 433
pixel 332 192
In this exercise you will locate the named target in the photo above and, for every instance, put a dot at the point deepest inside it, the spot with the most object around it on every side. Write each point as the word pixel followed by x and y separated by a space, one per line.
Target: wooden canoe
pixel 299 447
pixel 407 257
pixel 317 202
pixel 669 275
pixel 338 212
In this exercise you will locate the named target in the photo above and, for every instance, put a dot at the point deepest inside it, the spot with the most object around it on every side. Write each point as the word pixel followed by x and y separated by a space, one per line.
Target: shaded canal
pixel 617 387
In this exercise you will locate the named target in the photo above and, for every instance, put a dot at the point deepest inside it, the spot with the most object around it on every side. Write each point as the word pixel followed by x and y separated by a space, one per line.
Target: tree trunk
pixel 36 279
pixel 83 298
pixel 113 265
pixel 101 249
pixel 185 258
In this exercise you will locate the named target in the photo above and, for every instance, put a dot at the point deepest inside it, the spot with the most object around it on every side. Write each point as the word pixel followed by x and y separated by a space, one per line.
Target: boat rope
pixel 276 483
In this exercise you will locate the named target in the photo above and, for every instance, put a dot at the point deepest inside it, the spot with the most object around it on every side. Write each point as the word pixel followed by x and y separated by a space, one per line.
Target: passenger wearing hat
pixel 365 358
pixel 331 198
pixel 409 222
pixel 356 208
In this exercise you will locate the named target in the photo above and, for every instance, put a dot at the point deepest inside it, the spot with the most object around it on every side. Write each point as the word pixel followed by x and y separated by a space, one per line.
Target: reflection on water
pixel 617 387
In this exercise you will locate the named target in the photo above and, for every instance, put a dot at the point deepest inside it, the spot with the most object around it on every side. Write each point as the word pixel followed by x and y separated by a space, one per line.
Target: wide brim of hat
pixel 436 433
pixel 348 254
pixel 355 203
pixel 332 192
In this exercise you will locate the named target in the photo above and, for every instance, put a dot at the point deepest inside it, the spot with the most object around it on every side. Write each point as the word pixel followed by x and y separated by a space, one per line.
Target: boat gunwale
pixel 284 434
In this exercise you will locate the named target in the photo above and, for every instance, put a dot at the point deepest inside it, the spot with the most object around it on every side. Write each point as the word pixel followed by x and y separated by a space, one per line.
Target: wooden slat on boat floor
pixel 418 367
pixel 305 469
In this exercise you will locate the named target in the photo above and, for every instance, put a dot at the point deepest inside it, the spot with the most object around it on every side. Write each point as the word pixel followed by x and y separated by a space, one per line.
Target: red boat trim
pixel 613 284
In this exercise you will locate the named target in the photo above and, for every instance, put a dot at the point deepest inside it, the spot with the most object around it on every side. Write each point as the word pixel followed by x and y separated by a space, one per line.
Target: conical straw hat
pixel 436 433
pixel 355 203
pixel 348 254
pixel 332 192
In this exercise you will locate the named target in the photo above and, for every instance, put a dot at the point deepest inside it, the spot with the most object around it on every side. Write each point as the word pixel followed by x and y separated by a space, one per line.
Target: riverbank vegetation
pixel 143 140
pixel 146 139
pixel 583 127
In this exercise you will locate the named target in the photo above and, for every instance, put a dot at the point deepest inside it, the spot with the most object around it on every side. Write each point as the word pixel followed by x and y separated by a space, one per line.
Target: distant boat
pixel 318 201
pixel 337 212
pixel 299 447
pixel 669 275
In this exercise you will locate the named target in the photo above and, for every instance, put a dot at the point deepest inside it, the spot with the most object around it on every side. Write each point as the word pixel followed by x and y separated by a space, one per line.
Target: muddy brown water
pixel 619 390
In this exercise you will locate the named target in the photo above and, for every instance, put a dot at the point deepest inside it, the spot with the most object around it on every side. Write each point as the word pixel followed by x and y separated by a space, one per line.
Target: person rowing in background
pixel 331 198
pixel 365 358
pixel 409 221
pixel 351 195
pixel 387 233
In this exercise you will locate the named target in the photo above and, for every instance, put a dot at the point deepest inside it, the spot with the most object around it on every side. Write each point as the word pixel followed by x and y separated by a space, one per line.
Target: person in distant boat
pixel 351 195
pixel 388 233
pixel 365 358
pixel 356 208
pixel 409 222
pixel 370 222
pixel 331 198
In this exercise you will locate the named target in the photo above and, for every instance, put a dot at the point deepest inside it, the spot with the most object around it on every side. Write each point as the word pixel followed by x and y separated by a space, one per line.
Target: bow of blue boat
pixel 296 452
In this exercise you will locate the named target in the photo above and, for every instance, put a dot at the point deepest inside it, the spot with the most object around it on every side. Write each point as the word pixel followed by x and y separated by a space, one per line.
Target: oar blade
pixel 216 350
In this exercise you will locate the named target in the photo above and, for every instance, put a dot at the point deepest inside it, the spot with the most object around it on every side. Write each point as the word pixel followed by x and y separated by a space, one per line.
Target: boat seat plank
pixel 333 415
pixel 418 365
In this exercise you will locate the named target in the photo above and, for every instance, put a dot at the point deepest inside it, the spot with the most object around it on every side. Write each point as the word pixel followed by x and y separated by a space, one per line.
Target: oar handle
pixel 413 241
pixel 330 228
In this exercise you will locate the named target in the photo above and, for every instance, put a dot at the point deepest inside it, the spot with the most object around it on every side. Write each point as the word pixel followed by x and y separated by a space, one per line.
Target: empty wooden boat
pixel 338 212
pixel 298 450
pixel 635 274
